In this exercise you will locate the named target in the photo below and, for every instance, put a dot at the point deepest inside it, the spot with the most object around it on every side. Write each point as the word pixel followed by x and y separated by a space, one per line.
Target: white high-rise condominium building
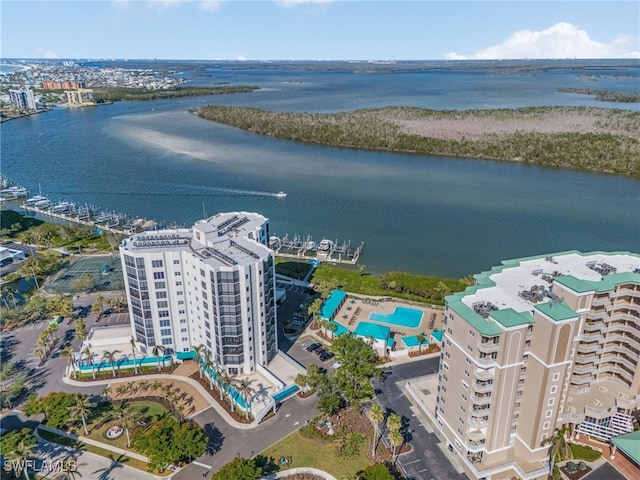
pixel 539 343
pixel 211 285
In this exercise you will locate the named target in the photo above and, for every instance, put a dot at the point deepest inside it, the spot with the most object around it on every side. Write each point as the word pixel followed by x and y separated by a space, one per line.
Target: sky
pixel 319 29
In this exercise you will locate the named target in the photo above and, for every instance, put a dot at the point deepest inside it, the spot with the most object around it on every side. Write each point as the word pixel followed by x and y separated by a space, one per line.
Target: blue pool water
pixel 125 363
pixel 403 316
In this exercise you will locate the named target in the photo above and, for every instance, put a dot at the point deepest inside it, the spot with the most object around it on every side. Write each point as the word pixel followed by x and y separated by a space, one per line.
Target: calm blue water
pixel 403 316
pixel 420 214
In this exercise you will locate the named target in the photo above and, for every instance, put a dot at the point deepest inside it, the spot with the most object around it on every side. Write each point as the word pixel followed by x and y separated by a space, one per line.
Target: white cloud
pixel 45 53
pixel 164 5
pixel 562 40
pixel 295 3
pixel 120 4
pixel 210 5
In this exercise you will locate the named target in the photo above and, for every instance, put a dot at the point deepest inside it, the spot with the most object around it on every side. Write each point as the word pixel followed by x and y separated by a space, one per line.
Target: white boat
pixel 62 207
pixel 34 200
pixel 13 192
pixel 44 203
pixel 281 194
pixel 324 248
pixel 310 245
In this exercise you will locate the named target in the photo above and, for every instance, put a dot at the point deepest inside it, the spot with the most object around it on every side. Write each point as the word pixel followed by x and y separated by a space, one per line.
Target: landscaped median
pixel 141 433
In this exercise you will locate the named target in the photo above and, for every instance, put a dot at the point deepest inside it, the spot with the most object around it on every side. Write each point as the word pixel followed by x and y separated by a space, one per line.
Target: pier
pixel 305 249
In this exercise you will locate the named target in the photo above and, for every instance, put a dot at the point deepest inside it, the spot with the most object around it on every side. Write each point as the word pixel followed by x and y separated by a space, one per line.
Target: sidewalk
pixel 95 443
pixel 159 376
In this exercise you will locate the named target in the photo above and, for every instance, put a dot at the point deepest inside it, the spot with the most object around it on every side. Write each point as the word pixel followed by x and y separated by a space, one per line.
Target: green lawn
pixel 587 454
pixel 305 452
pixel 144 409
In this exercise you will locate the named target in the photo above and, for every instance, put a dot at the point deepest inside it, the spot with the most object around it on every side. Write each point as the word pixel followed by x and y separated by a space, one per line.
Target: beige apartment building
pixel 79 97
pixel 535 344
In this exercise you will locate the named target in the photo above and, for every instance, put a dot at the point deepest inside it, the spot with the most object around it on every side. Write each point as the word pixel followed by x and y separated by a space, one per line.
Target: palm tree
pixel 198 349
pixel 133 352
pixel 394 422
pixel 143 385
pixel 111 358
pixel 71 362
pixel 225 382
pixel 121 390
pixel 156 351
pixel 314 309
pixel 106 391
pixel 21 457
pixel 421 338
pixel 332 327
pixel 81 329
pixel 244 388
pixel 156 385
pixel 89 356
pixel 377 415
pixel 442 290
pixel 40 353
pixel 69 469
pixel 209 365
pixel 126 415
pixel 559 447
pixel 396 439
pixel 81 409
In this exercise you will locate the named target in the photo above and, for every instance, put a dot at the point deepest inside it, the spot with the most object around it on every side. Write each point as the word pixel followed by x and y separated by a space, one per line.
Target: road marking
pixel 287 415
pixel 415 461
pixel 201 465
pixel 296 423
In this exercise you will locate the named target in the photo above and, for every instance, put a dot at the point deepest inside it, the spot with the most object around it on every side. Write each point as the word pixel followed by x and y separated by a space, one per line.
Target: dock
pixel 305 249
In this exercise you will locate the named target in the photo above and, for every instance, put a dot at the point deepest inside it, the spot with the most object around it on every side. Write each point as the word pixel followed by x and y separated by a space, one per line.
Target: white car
pixel 336 365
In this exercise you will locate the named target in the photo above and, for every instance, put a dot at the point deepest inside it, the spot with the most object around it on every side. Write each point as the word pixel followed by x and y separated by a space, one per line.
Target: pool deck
pixel 348 318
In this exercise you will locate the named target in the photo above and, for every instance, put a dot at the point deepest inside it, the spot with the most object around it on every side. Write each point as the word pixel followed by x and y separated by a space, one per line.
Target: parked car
pixel 313 346
pixel 326 356
pixel 320 351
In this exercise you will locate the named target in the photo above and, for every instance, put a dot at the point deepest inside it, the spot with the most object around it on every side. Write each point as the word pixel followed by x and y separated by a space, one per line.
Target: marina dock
pixel 297 247
pixel 305 249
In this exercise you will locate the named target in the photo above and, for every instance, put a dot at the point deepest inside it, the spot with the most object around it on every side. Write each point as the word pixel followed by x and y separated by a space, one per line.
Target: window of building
pixel 177 274
pixel 158 275
pixel 163 304
pixel 166 341
pixel 165 332
pixel 178 284
pixel 180 292
pixel 165 323
pixel 551 401
pixel 184 339
pixel 183 330
pixel 556 376
pixel 163 313
pixel 465 385
pixel 181 302
pixel 548 413
pixel 472 333
pixel 156 263
pixel 470 348
pixel 546 426
pixel 553 390
pixel 160 285
pixel 161 294
pixel 176 262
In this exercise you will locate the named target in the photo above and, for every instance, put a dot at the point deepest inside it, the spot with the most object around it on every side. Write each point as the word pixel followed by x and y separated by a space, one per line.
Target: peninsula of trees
pixel 118 94
pixel 596 139
pixel 604 95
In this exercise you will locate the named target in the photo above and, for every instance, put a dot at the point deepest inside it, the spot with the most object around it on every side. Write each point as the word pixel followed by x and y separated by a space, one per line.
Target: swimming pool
pixel 403 316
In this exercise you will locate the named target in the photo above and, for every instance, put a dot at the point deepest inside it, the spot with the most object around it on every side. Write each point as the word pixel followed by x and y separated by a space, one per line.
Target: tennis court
pixel 105 272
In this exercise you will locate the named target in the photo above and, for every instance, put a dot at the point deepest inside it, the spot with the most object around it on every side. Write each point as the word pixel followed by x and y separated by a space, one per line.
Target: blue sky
pixel 319 29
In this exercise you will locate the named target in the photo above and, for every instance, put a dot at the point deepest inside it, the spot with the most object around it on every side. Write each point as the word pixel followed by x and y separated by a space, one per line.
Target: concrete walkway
pixel 95 443
pixel 159 376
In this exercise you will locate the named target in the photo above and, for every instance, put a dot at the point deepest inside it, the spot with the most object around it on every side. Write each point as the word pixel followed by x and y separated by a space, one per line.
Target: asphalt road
pixel 426 461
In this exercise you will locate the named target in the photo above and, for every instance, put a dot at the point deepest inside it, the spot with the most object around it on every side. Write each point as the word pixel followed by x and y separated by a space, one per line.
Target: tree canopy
pixel 55 406
pixel 246 469
pixel 168 441
pixel 17 440
pixel 359 367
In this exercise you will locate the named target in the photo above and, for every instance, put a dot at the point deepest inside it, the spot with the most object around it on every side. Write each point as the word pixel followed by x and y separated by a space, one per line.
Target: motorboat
pixel 34 200
pixel 281 194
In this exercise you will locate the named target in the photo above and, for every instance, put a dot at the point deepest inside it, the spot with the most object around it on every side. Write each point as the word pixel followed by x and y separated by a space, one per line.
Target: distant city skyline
pixel 319 29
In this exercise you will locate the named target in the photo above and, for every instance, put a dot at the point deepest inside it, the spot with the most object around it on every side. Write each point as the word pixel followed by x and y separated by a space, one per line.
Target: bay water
pixel 422 214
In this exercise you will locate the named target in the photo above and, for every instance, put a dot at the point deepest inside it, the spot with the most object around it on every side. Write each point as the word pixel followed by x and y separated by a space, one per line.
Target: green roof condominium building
pixel 535 344
pixel 211 285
